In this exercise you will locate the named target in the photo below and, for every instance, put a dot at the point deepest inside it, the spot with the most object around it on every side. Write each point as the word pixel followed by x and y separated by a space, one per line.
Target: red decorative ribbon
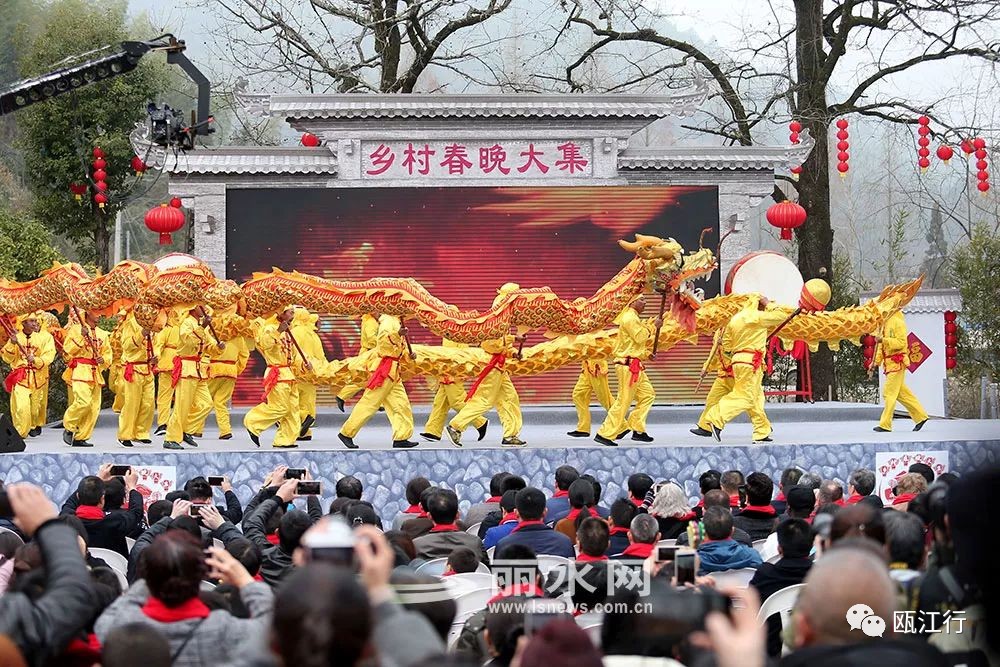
pixel 14 378
pixel 635 367
pixel 758 358
pixel 175 374
pixel 496 362
pixel 382 372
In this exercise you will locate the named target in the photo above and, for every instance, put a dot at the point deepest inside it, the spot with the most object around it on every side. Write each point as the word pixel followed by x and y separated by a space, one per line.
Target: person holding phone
pixel 276 559
pixel 106 530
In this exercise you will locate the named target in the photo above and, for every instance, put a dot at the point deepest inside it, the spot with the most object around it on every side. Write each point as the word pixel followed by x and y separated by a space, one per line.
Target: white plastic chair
pixel 8 530
pixel 474 528
pixel 774 558
pixel 469 602
pixel 733 578
pixel 782 603
pixel 207 586
pixel 592 628
pixel 129 543
pixel 453 634
pixel 489 553
pixel 547 561
pixel 115 560
pixel 667 543
pixel 758 546
pixel 434 567
pixel 471 580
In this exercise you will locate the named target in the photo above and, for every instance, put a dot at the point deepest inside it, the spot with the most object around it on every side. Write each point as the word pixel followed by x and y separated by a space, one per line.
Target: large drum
pixel 768 273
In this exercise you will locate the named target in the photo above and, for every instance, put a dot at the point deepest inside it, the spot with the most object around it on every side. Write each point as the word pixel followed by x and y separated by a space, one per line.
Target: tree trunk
pixel 102 242
pixel 816 236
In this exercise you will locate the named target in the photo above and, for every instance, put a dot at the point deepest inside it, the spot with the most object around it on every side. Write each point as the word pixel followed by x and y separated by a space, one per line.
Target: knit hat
pixel 561 643
pixel 800 499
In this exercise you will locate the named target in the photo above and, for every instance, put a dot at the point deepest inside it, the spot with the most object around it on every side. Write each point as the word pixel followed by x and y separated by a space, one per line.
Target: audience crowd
pixel 527 577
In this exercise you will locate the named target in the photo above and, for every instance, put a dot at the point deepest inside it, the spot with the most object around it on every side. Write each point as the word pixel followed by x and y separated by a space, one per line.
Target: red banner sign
pixel 918 352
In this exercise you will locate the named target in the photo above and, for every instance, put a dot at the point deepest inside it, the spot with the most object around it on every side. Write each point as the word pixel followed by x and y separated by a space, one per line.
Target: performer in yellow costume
pixel 189 378
pixel 892 354
pixel 40 396
pixel 165 348
pixel 633 346
pixel 493 388
pixel 593 380
pixel 749 330
pixel 280 400
pixel 29 355
pixel 721 361
pixel 369 329
pixel 89 352
pixel 115 382
pixel 450 395
pixel 223 368
pixel 384 388
pixel 138 363
pixel 305 334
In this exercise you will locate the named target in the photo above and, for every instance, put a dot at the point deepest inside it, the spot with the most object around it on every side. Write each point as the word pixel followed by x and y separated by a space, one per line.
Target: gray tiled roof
pixel 255 160
pixel 928 301
pixel 715 157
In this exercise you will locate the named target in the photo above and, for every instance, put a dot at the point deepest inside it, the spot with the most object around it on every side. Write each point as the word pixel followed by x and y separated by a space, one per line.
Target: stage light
pixel 61 85
pixel 102 72
pixel 33 94
pixel 116 68
pixel 20 101
pixel 48 90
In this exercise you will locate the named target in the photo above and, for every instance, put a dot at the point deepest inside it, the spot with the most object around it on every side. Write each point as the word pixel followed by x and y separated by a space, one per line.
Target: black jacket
pixel 491 520
pixel 738 535
pixel 617 543
pixel 275 563
pixel 42 628
pixel 671 527
pixel 542 539
pixel 111 531
pixel 882 652
pixel 758 525
pixel 771 578
pixel 227 532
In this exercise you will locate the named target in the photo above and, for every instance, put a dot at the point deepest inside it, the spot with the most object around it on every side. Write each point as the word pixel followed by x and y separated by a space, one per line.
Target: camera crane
pixel 168 126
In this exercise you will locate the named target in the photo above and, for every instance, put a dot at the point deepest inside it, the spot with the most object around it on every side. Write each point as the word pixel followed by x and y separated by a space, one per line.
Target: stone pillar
pixel 736 199
pixel 208 205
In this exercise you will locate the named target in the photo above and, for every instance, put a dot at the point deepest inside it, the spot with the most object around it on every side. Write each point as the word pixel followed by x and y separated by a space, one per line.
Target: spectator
pixel 414 488
pixel 639 485
pixel 795 540
pixel 560 643
pixel 718 498
pixel 720 551
pixel 810 480
pixel 422 523
pixel 789 478
pixel 492 519
pixel 923 470
pixel 731 481
pixel 201 492
pixel 135 644
pixel 671 510
pixel 597 509
pixel 42 627
pixel 581 500
pixel 861 483
pixel 106 531
pixel 461 561
pixel 590 566
pixel 158 510
pixel 531 530
pixel 276 560
pixel 508 521
pixel 872 501
pixel 431 600
pixel 362 512
pixel 557 506
pixel 247 553
pixel 906 544
pixel 446 536
pixel 349 486
pixel 403 547
pixel 114 499
pixel 830 491
pixel 858 520
pixel 648 629
pixel 908 487
pixel 643 534
pixel 9 542
pixel 622 513
pixel 504 625
pixel 758 518
pixel 478 512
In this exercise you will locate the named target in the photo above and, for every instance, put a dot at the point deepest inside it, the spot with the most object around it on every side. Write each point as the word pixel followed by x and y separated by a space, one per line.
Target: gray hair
pixel 810 480
pixel 644 529
pixel 669 501
pixel 863 481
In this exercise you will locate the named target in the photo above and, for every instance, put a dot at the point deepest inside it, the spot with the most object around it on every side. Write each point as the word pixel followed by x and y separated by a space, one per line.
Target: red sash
pixel 175 374
pixel 129 373
pixel 898 358
pixel 90 512
pixel 758 358
pixel 382 372
pixel 76 361
pixel 496 362
pixel 14 378
pixel 635 367
pixel 193 608
pixel 270 381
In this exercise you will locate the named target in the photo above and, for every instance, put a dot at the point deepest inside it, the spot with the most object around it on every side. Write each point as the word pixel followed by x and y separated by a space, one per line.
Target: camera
pixel 330 542
pixel 167 127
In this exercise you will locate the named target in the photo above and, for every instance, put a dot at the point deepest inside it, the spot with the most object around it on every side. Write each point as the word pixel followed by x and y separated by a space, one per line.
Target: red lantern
pixel 843 156
pixel 176 202
pixel 980 153
pixel 979 143
pixel 983 175
pixel 950 363
pixel 100 175
pixel 924 120
pixel 950 352
pixel 967 147
pixel 78 190
pixel 99 163
pixel 983 186
pixel 923 130
pixel 950 316
pixel 951 340
pixel 100 186
pixel 138 166
pixel 794 137
pixel 924 163
pixel 164 220
pixel 924 142
pixel 842 145
pixel 981 165
pixel 100 199
pixel 945 153
pixel 309 140
pixel 795 126
pixel 98 152
pixel 786 215
pixel 842 167
pixel 924 152
pixel 842 123
pixel 842 135
pixel 796 171
pixel 950 327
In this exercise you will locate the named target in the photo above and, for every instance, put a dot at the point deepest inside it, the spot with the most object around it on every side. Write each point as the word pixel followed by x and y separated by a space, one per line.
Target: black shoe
pixel 348 442
pixel 160 430
pixel 512 441
pixel 304 438
pixel 621 435
pixel 227 436
pixel 340 403
pixel 431 437
pixel 455 435
pixel 197 435
pixel 68 438
pixel 919 425
pixel 57 426
pixel 642 437
pixel 764 439
pixel 482 431
pixel 37 431
pixel 126 443
pixel 578 434
pixel 189 439
pixel 403 444
pixel 146 441
pixel 254 438
pixel 716 433
pixel 291 446
pixel 607 442
pixel 879 429
pixel 82 443
pixel 697 430
pixel 381 408
pixel 172 445
pixel 306 425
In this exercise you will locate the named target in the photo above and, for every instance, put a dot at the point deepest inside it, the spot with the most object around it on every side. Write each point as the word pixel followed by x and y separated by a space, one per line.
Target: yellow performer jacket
pixel 893 353
pixel 634 337
pixel 278 352
pixel 84 366
pixel 136 348
pixel 194 343
pixel 389 347
pixel 230 362
pixel 304 330
pixel 165 345
pixel 721 361
pixel 34 376
pixel 369 332
pixel 746 334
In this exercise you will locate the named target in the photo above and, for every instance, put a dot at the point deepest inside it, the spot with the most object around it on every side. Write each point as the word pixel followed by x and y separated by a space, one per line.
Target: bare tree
pixel 805 45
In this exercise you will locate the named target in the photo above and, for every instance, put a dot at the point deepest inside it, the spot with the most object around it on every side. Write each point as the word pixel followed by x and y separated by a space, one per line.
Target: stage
pixel 831 439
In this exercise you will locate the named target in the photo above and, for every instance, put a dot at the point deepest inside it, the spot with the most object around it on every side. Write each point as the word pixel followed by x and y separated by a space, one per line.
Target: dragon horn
pixel 648 241
pixel 662 252
pixel 630 246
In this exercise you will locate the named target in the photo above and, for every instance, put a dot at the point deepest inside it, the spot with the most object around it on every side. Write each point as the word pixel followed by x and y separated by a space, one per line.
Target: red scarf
pixel 493 499
pixel 904 498
pixel 82 651
pixel 90 512
pixel 527 590
pixel 839 502
pixel 382 372
pixel 445 528
pixel 273 539
pixel 14 378
pixel 561 493
pixel 413 509
pixel 618 530
pixel 496 362
pixel 508 517
pixel 734 501
pixel 636 501
pixel 701 503
pixel 258 577
pixel 573 513
pixel 763 509
pixel 534 522
pixel 584 558
pixel 780 498
pixel 856 498
pixel 193 608
pixel 687 517
pixel 638 550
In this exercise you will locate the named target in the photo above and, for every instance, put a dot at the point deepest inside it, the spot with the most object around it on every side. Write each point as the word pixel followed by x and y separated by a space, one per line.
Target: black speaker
pixel 10 440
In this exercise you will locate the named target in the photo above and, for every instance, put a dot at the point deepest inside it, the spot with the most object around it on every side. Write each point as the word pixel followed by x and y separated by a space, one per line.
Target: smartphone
pixel 741 491
pixel 666 553
pixel 120 471
pixel 295 473
pixel 215 480
pixel 307 489
pixel 6 511
pixel 195 511
pixel 684 567
pixel 341 556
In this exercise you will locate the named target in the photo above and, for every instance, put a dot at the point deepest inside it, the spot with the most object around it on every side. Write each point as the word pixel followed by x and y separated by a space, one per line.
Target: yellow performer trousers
pixel 192 403
pixel 164 397
pixel 496 390
pixel 281 408
pixel 307 402
pixel 40 405
pixel 587 384
pixel 747 396
pixel 619 419
pixel 896 390
pixel 20 410
pixel 116 382
pixel 81 415
pixel 349 391
pixel 393 397
pixel 136 416
pixel 221 391
pixel 722 388
pixel 448 397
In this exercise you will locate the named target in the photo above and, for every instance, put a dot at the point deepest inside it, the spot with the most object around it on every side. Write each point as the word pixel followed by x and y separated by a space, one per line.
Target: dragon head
pixel 671 268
